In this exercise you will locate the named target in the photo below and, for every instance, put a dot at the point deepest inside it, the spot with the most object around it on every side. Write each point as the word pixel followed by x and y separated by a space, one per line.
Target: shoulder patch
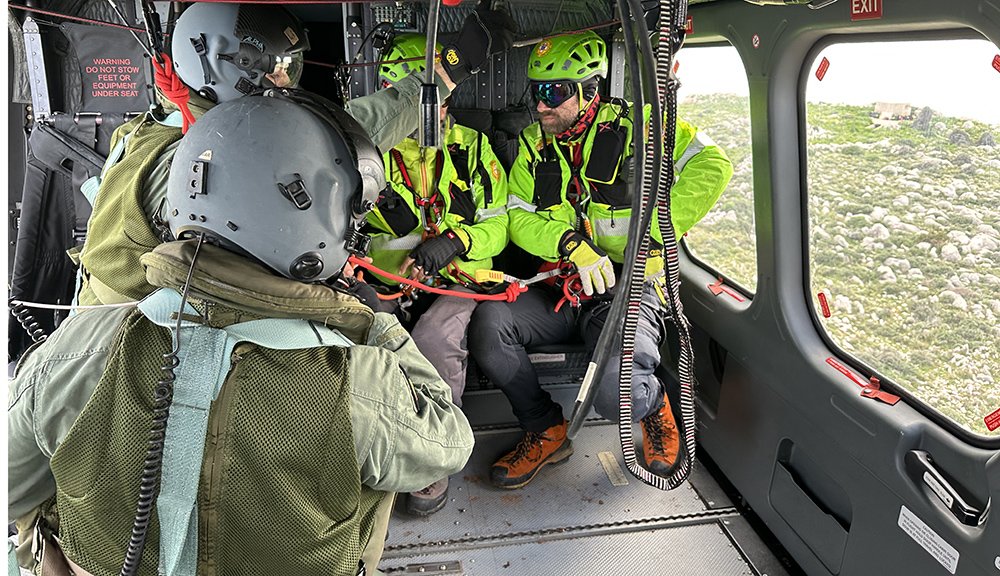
pixel 494 169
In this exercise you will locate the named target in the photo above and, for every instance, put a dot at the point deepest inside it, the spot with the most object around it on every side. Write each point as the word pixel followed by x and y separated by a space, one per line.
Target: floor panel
pixel 576 493
pixel 700 550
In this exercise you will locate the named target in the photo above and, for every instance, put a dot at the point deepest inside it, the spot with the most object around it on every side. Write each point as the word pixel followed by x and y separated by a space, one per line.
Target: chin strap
pixel 583 121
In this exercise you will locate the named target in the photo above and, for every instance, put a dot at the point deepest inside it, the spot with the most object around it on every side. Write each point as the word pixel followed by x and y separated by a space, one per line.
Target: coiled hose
pixel 27 320
pixel 673 16
pixel 658 182
pixel 163 396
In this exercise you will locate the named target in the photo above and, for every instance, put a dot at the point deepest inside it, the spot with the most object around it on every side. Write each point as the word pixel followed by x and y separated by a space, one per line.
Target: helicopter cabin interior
pixel 843 295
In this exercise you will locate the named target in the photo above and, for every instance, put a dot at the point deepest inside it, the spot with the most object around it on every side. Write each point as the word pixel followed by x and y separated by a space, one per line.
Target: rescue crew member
pixel 570 201
pixel 441 218
pixel 303 410
pixel 221 52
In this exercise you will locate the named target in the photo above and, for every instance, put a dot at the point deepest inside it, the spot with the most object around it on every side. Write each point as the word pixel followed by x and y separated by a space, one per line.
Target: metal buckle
pixel 357 242
pixel 196 178
pixel 297 193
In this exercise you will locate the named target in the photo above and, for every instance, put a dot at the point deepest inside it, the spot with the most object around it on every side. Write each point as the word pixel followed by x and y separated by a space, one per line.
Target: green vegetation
pixel 904 239
pixel 726 238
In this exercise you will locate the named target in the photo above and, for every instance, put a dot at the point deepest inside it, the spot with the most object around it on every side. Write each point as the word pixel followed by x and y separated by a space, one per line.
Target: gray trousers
pixel 440 335
pixel 647 389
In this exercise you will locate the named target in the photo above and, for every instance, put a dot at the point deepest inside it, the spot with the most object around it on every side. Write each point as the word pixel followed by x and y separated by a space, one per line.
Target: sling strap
pixel 205 358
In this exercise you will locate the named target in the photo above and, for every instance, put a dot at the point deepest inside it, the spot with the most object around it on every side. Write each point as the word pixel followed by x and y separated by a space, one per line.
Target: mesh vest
pixel 118 232
pixel 280 489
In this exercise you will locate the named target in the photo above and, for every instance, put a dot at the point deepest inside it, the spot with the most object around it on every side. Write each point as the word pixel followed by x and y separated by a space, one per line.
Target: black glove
pixel 360 290
pixel 486 32
pixel 438 252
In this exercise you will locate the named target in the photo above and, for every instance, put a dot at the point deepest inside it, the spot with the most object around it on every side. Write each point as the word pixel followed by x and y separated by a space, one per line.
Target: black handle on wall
pixel 920 466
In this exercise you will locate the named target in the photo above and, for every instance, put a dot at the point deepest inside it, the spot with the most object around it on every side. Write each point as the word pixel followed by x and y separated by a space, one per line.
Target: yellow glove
pixel 596 272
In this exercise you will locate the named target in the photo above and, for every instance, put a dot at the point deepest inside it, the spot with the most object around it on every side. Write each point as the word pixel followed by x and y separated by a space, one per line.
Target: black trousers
pixel 500 332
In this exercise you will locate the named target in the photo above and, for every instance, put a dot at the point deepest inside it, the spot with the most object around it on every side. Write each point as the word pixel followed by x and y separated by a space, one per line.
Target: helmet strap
pixel 584 118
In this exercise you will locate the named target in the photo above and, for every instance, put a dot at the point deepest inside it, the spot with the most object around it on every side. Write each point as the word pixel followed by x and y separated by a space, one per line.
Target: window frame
pixel 719 42
pixel 913 401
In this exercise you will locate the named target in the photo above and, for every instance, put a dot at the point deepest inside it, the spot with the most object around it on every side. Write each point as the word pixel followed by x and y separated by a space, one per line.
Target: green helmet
pixel 568 58
pixel 404 47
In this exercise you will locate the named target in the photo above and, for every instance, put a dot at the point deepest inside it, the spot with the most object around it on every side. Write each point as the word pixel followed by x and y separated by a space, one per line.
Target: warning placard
pixel 112 78
pixel 930 540
pixel 993 420
pixel 112 69
pixel 824 65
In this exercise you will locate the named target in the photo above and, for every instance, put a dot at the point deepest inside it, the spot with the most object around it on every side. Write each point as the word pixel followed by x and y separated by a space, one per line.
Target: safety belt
pixel 205 359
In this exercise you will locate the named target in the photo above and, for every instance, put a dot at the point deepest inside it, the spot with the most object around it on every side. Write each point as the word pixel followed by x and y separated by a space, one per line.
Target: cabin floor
pixel 585 516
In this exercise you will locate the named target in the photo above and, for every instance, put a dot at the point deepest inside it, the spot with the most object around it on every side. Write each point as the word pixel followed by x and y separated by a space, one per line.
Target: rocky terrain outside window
pixel 715 97
pixel 904 226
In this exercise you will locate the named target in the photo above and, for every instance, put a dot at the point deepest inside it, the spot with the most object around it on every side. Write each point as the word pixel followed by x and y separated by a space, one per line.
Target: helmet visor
pixel 552 94
pixel 287 70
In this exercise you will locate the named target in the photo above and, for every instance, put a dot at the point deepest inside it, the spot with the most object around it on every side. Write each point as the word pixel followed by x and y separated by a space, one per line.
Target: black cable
pixel 163 395
pixel 638 226
pixel 555 21
pixel 32 11
pixel 147 49
pixel 28 321
pixel 430 106
pixel 346 71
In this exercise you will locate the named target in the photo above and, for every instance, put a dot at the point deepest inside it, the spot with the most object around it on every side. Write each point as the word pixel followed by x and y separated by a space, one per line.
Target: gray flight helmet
pixel 226 50
pixel 284 178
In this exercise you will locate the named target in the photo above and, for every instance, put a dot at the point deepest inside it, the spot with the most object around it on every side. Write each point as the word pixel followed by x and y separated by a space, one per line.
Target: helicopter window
pixel 904 232
pixel 715 97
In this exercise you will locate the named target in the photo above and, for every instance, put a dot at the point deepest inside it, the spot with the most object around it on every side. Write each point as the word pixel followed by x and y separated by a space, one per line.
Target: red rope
pixel 173 89
pixel 74 18
pixel 514 289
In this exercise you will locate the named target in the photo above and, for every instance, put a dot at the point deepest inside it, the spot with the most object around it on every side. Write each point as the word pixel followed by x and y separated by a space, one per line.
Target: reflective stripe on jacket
pixel 540 212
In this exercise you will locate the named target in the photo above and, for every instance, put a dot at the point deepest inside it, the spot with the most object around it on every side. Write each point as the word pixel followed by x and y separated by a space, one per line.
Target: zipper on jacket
pixel 215 448
pixel 413 390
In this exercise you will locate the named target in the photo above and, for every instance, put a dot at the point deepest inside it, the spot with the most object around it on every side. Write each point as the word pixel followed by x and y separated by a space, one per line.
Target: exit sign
pixel 866 9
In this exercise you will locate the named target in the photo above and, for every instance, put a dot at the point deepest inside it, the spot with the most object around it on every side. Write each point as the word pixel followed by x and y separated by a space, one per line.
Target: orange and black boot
pixel 536 449
pixel 660 439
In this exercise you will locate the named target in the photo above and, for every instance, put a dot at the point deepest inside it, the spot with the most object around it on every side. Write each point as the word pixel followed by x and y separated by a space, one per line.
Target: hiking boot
pixel 660 440
pixel 429 500
pixel 536 449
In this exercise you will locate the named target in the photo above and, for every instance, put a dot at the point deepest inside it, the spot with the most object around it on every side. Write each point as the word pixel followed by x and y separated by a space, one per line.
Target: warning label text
pixel 112 78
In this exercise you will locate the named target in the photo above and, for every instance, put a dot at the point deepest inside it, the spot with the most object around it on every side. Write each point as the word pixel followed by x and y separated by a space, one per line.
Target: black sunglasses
pixel 552 94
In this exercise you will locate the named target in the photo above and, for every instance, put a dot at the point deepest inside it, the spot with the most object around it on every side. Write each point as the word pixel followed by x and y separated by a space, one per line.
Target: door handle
pixel 921 467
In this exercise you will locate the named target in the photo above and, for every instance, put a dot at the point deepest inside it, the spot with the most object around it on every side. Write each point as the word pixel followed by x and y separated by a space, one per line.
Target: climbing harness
pixel 510 293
